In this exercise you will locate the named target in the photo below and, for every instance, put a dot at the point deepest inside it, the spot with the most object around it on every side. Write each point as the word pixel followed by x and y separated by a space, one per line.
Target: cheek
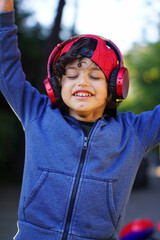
pixel 103 92
pixel 65 93
pixel 104 96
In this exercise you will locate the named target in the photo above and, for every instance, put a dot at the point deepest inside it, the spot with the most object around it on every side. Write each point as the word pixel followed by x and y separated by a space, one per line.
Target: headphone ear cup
pixel 56 88
pixel 113 82
pixel 53 90
pixel 119 82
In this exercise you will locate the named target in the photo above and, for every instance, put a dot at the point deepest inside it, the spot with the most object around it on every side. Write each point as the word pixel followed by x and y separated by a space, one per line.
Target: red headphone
pixel 118 78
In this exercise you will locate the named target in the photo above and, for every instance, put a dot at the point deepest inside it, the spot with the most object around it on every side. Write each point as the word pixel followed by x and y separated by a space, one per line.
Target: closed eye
pixel 72 77
pixel 94 77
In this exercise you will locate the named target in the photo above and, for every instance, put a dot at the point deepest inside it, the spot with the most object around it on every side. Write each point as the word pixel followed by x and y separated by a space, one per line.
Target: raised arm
pixel 6 5
pixel 26 101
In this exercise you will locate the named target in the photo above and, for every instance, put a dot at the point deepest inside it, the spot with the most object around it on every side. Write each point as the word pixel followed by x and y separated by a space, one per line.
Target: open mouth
pixel 82 94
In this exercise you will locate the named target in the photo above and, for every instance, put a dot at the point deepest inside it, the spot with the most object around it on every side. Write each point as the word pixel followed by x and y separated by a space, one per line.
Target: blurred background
pixel 132 25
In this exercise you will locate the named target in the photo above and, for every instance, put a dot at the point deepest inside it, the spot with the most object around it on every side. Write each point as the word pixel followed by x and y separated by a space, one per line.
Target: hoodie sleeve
pixel 26 101
pixel 146 126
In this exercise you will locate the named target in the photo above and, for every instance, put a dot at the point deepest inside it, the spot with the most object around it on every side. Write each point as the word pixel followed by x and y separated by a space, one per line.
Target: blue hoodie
pixel 74 187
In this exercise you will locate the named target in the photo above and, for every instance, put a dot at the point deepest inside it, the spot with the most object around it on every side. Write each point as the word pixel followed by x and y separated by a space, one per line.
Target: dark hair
pixel 84 47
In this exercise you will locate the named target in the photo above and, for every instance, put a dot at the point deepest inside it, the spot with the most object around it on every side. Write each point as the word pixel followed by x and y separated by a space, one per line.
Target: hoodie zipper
pixel 75 188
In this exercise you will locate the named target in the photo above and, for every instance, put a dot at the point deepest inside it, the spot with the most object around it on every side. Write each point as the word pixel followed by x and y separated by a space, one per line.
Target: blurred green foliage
pixel 143 63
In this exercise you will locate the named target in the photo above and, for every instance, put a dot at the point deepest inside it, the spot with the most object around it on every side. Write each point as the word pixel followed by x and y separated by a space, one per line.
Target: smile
pixel 82 94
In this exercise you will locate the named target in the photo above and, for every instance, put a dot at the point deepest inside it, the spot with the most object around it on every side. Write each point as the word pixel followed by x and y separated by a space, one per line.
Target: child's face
pixel 84 90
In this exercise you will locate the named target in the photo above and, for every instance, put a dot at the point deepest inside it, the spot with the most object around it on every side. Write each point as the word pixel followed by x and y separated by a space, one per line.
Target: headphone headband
pixel 116 50
pixel 64 47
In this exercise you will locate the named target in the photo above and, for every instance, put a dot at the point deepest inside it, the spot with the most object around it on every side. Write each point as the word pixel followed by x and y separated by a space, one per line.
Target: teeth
pixel 82 94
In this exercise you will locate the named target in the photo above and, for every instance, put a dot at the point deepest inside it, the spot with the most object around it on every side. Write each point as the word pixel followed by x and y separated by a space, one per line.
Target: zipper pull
pixel 85 145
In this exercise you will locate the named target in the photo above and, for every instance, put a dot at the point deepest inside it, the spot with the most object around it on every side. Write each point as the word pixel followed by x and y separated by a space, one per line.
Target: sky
pixel 125 22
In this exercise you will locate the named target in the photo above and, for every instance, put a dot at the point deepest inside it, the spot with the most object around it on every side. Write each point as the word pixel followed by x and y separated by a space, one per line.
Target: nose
pixel 83 81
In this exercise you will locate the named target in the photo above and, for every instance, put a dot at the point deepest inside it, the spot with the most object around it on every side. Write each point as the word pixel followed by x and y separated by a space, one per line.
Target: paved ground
pixel 143 203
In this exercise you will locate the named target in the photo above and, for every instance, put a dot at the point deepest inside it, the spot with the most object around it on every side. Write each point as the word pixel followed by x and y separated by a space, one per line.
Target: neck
pixel 85 117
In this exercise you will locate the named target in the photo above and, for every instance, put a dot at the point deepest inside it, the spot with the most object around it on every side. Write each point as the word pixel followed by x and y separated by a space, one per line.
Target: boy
pixel 81 157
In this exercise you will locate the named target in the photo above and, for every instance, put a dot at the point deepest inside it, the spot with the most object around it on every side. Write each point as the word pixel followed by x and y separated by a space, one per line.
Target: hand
pixel 6 5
